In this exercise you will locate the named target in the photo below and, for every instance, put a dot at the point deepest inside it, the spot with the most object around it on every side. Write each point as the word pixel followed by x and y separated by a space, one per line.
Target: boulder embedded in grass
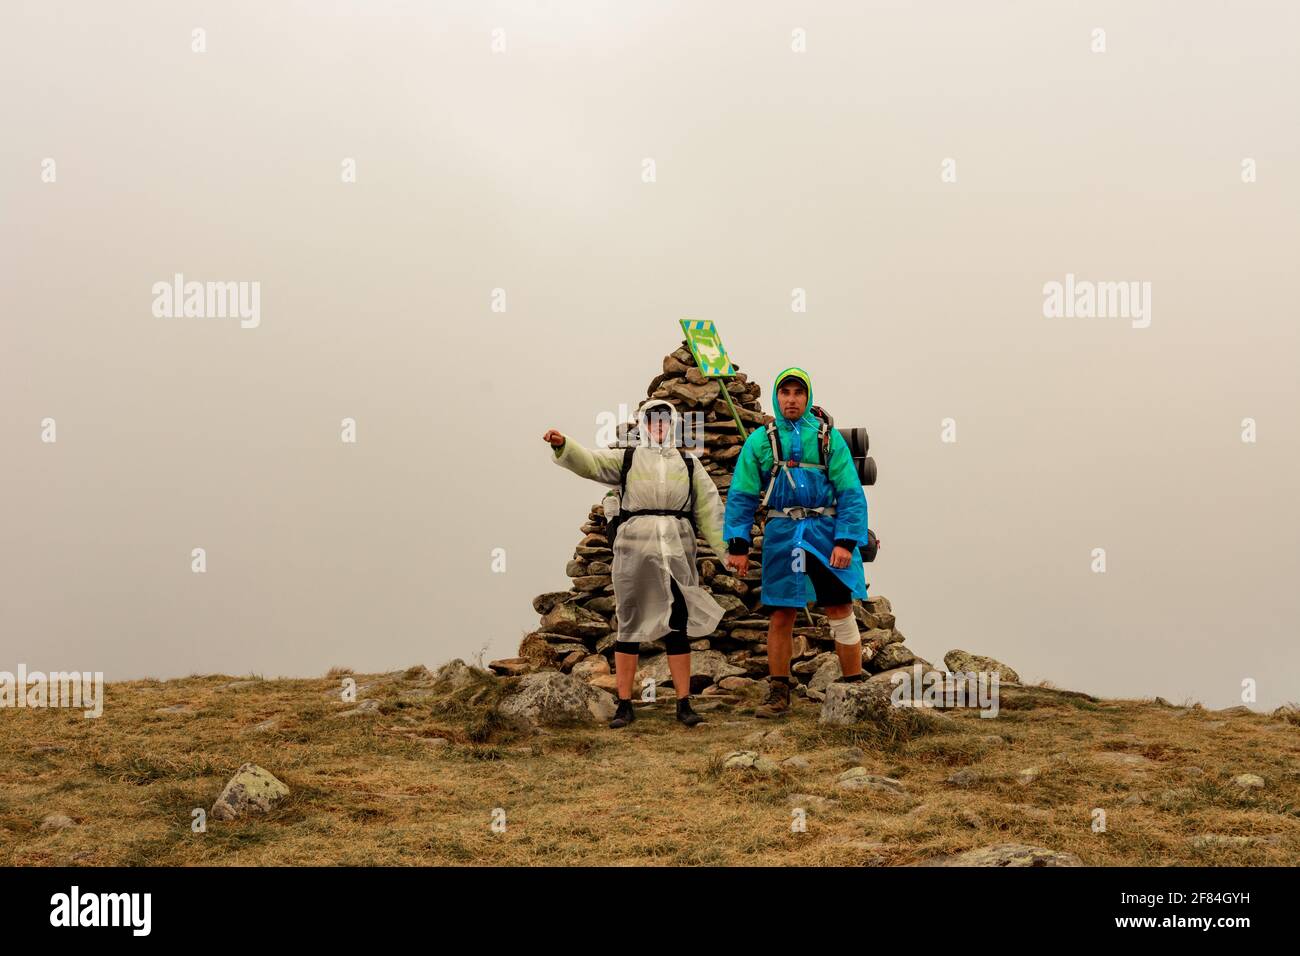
pixel 251 790
pixel 864 702
pixel 549 697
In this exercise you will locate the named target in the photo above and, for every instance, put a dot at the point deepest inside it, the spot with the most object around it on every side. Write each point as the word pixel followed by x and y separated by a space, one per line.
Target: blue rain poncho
pixel 839 485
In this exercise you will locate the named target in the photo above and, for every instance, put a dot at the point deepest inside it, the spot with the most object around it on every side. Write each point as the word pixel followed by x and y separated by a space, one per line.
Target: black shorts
pixel 679 616
pixel 830 590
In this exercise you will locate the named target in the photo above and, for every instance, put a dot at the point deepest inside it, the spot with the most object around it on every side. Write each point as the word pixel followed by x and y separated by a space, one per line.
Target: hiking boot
pixel 687 716
pixel 623 716
pixel 778 700
pixel 857 678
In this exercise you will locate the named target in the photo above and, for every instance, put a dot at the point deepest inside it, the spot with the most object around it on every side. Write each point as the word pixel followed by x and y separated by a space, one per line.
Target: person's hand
pixel 840 557
pixel 738 563
pixel 553 437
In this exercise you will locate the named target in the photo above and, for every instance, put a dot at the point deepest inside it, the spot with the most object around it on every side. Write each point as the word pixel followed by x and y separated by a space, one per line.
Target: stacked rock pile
pixel 578 627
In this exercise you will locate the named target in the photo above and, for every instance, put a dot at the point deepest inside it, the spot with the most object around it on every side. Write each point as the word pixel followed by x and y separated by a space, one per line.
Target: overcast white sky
pixel 522 170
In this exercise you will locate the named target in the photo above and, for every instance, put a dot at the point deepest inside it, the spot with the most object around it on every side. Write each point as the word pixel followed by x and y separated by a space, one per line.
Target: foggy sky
pixel 522 171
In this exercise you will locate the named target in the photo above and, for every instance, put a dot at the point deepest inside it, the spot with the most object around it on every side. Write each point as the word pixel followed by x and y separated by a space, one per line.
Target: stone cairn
pixel 579 626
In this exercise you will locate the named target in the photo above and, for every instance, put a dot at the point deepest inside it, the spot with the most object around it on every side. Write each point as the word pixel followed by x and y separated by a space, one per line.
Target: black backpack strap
pixel 824 434
pixel 688 512
pixel 628 452
pixel 690 484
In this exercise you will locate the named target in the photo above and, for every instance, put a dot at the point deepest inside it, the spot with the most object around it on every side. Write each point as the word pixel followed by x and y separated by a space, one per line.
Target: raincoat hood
pixel 644 439
pixel 808 418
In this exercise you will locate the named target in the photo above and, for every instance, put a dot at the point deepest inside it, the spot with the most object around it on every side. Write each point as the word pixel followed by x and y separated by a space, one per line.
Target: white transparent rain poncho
pixel 652 550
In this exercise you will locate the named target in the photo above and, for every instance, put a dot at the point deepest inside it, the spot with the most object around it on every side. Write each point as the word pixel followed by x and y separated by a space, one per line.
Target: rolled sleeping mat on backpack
pixel 872 546
pixel 866 470
pixel 857 440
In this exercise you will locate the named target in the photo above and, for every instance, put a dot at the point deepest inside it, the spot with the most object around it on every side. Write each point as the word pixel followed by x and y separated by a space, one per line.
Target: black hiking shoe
pixel 687 716
pixel 778 700
pixel 623 716
pixel 857 678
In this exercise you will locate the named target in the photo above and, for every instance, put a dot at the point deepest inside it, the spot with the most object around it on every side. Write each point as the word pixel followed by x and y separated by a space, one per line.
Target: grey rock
pixel 748 760
pixel 858 778
pixel 849 704
pixel 543 603
pixel 594 666
pixel 1006 854
pixel 1116 758
pixel 892 656
pixel 456 674
pixel 827 672
pixel 365 707
pixel 1207 840
pixel 693 396
pixel 765 738
pixel 251 790
pixel 573 621
pixel 707 667
pixel 549 697
pixel 809 801
pixel 965 777
pixel 959 660
pixel 851 755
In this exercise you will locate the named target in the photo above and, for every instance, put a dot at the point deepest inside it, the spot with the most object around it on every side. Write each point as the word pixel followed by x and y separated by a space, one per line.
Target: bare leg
pixel 780 636
pixel 625 673
pixel 679 665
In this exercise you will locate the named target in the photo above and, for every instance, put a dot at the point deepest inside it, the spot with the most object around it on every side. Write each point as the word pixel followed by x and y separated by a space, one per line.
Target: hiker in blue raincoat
pixel 817 519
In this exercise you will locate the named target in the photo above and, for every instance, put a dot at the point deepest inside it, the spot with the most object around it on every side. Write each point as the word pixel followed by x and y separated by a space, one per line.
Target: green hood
pixel 807 383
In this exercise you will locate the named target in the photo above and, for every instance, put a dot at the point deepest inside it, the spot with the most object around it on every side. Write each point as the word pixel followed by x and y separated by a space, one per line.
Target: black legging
pixel 676 642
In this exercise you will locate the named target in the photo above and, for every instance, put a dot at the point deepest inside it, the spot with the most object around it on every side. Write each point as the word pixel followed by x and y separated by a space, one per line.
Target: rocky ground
pixel 466 767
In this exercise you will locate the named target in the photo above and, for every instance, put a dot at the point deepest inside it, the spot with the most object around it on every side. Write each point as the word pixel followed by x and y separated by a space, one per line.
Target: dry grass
pixel 366 790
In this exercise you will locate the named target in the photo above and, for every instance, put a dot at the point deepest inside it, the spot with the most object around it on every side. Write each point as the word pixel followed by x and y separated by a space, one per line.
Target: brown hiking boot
pixel 778 700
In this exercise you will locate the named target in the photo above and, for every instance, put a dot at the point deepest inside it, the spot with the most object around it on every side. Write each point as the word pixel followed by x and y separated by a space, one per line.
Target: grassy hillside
pixel 416 779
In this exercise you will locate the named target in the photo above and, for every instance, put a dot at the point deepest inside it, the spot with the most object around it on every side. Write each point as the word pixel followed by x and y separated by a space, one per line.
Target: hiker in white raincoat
pixel 656 587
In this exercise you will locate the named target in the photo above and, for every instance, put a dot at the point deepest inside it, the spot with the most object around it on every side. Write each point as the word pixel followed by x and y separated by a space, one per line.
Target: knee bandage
pixel 845 630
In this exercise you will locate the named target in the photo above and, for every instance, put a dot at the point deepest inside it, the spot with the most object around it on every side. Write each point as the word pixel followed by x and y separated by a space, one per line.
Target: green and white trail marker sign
pixel 706 346
pixel 711 357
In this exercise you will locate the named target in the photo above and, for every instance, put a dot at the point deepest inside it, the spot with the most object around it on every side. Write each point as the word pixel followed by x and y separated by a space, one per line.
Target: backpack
pixel 611 528
pixel 865 466
pixel 778 457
